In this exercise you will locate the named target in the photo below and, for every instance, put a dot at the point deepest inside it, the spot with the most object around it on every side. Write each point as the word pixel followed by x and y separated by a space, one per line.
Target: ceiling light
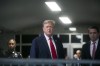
pixel 65 20
pixel 53 6
pixel 72 29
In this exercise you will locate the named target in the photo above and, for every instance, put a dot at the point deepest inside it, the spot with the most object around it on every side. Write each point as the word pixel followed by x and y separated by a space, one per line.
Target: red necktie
pixel 53 51
pixel 93 51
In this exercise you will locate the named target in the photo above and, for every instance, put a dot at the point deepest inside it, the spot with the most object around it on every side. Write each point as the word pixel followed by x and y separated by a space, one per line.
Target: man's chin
pixel 49 34
pixel 93 39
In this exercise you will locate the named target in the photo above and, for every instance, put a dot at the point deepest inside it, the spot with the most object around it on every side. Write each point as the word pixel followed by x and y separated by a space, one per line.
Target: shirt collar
pixel 96 42
pixel 47 36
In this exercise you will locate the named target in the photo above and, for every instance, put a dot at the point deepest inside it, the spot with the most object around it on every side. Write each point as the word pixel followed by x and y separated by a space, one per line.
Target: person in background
pixel 11 53
pixel 77 56
pixel 91 50
pixel 47 46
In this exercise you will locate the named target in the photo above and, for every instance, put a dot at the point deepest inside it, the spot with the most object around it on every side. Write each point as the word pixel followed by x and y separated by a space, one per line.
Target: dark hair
pixel 94 27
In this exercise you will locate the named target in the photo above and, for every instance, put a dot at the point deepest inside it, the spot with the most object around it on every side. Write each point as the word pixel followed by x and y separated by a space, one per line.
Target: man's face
pixel 48 29
pixel 93 34
pixel 79 54
pixel 11 44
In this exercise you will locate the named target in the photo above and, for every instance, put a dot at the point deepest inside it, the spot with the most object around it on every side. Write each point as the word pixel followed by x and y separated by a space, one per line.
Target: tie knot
pixel 94 42
pixel 50 38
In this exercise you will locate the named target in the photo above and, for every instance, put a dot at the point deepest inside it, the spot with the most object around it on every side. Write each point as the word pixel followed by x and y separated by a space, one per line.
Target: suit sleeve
pixel 34 49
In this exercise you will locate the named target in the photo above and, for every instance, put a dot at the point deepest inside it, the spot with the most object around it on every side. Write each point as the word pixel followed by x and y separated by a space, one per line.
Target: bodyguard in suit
pixel 46 46
pixel 91 50
pixel 10 52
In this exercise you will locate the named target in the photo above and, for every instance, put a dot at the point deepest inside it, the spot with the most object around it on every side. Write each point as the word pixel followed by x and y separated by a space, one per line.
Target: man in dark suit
pixel 91 50
pixel 41 46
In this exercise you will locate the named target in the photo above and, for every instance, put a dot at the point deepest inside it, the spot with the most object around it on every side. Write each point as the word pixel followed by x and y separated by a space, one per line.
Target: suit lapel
pixel 46 45
pixel 88 49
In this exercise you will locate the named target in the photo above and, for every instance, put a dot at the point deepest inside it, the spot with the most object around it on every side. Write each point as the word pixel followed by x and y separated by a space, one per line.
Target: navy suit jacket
pixel 41 50
pixel 86 53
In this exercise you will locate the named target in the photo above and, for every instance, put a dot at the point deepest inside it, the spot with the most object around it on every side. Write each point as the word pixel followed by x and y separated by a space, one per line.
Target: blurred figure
pixel 91 50
pixel 11 53
pixel 77 56
pixel 47 46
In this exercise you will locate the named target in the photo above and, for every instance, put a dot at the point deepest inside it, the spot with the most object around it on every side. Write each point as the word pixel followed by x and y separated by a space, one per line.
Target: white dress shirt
pixel 48 42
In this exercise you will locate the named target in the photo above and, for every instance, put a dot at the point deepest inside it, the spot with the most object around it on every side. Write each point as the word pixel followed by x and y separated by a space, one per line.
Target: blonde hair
pixel 49 21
